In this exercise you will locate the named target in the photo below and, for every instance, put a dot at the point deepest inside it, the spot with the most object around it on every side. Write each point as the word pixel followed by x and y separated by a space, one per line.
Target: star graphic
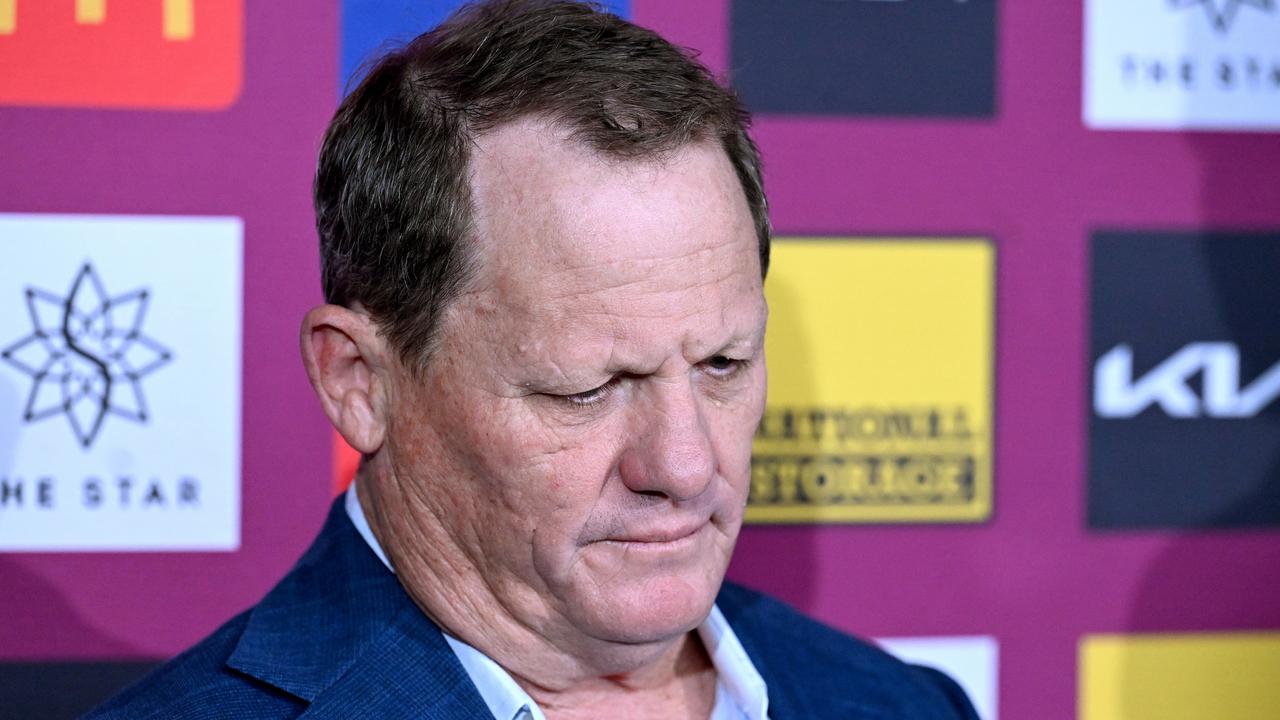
pixel 1222 12
pixel 86 355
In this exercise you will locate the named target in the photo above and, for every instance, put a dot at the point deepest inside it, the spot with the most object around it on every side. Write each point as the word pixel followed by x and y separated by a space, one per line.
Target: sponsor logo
pixel 109 438
pixel 1221 13
pixel 865 422
pixel 1117 394
pixel 86 355
pixel 1185 380
pixel 171 54
pixel 859 57
pixel 972 661
pixel 1184 676
pixel 1170 64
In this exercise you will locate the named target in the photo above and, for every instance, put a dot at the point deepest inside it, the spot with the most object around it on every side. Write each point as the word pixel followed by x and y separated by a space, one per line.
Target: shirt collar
pixel 737 677
pixel 734 670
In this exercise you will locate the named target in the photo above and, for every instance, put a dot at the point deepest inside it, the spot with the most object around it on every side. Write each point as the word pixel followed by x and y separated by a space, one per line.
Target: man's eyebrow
pixel 752 339
pixel 749 341
pixel 565 379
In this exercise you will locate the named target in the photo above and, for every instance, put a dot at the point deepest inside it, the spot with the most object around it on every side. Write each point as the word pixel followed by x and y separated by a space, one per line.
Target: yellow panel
pixel 91 12
pixel 8 16
pixel 179 19
pixel 1180 677
pixel 880 357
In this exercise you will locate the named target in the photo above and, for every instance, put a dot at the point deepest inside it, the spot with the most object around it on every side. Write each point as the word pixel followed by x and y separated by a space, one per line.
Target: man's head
pixel 393 204
pixel 548 231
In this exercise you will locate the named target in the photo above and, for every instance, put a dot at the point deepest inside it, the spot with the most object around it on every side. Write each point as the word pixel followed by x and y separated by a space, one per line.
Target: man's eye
pixel 589 398
pixel 723 367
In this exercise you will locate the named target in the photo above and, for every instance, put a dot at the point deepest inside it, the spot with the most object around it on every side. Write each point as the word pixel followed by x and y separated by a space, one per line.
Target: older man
pixel 544 238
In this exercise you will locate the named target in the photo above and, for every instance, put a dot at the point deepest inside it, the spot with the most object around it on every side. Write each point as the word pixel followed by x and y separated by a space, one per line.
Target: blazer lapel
pixel 339 632
pixel 407 672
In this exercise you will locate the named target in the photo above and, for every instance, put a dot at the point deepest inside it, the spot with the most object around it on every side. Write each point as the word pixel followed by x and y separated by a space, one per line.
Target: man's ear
pixel 345 358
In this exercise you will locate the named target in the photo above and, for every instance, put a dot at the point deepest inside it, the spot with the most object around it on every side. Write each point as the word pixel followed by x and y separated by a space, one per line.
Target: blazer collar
pixel 338 631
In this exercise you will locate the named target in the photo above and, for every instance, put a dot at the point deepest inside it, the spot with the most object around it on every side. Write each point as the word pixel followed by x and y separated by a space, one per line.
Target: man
pixel 544 238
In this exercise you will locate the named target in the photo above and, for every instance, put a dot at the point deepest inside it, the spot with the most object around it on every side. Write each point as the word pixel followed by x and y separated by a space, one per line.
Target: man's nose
pixel 671 452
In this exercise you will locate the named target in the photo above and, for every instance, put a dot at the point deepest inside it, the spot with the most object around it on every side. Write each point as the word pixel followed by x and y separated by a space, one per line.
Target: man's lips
pixel 653 535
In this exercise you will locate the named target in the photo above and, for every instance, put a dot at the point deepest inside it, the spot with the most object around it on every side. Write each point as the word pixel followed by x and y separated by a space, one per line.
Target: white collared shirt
pixel 740 691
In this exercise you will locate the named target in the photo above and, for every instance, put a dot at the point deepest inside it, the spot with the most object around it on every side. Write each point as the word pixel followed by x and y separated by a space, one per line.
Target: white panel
pixel 132 375
pixel 972 661
pixel 1170 64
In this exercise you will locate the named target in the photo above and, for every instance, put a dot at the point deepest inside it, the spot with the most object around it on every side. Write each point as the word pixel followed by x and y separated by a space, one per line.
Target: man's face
pixel 584 430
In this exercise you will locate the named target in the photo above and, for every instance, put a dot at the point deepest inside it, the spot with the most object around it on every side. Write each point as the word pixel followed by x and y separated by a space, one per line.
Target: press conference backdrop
pixel 1024 415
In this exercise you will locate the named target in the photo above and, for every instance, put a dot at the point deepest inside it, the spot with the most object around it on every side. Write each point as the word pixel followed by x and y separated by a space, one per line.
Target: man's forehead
pixel 628 260
pixel 582 348
pixel 548 203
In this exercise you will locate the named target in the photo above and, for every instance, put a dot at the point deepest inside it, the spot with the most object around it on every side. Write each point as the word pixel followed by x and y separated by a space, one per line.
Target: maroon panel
pixel 253 160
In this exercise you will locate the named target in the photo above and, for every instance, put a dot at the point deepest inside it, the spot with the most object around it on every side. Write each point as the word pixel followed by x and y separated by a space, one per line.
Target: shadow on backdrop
pixel 782 559
pixel 1224 575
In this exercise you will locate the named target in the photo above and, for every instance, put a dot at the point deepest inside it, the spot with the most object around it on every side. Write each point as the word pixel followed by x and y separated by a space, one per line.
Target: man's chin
pixel 652 610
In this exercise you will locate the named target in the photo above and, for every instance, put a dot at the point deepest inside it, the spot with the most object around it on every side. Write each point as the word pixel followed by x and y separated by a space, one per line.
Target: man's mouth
pixel 659 534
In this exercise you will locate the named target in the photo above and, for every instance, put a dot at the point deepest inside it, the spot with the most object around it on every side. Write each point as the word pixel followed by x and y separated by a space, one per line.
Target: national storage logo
pixel 1171 64
pixel 1185 397
pixel 162 54
pixel 880 382
pixel 119 383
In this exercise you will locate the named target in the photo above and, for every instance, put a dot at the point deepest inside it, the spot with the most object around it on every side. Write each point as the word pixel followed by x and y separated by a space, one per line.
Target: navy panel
pixel 1181 446
pixel 857 57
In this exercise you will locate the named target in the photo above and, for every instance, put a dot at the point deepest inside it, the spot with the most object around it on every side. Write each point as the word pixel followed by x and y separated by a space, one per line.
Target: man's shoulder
pixel 826 671
pixel 198 685
pixel 268 661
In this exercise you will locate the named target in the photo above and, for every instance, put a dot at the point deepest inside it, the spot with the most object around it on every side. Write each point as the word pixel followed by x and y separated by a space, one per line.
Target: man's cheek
pixel 734 434
pixel 563 481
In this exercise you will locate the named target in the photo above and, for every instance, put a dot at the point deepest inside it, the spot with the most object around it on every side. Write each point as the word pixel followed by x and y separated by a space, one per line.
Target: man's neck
pixel 682 686
pixel 567 676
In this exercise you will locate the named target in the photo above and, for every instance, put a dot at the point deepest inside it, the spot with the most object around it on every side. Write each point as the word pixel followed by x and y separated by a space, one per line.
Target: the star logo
pixel 1223 12
pixel 86 355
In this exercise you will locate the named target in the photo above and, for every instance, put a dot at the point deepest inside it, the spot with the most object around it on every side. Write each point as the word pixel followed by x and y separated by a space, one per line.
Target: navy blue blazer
pixel 339 638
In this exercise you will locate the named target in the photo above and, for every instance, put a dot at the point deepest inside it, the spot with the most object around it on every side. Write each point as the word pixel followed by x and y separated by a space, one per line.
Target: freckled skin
pixel 542 530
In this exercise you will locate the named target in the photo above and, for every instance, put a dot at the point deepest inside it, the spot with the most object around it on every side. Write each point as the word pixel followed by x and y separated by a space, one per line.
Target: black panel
pixel 865 57
pixel 1175 458
pixel 55 690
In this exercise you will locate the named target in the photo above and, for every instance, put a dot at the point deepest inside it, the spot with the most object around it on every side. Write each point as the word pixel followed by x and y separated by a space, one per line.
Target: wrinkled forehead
pixel 552 213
